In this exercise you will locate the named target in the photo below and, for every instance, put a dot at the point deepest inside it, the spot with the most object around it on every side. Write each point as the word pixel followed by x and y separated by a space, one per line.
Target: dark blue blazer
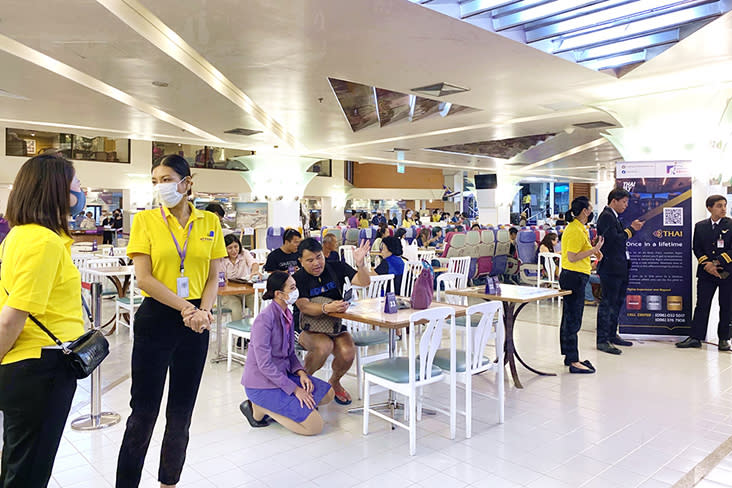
pixel 614 260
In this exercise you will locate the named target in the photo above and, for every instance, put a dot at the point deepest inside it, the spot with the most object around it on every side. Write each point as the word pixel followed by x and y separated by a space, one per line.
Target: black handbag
pixel 85 353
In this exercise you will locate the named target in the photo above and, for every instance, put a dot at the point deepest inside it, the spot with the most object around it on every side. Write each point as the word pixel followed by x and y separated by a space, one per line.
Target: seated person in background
pixel 380 234
pixel 408 218
pixel 424 237
pixel 456 218
pixel 364 223
pixel 435 215
pixel 320 287
pixel 239 264
pixel 285 257
pixel 330 248
pixel 408 251
pixel 88 222
pixel 548 242
pixel 560 219
pixel 78 219
pixel 513 233
pixel 392 261
pixel 275 382
pixel 437 238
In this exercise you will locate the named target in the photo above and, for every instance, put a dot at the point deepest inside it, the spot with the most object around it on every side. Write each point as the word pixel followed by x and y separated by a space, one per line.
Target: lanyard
pixel 181 254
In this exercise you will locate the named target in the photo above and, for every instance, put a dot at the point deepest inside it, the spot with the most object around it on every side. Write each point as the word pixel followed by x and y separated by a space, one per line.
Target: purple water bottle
pixel 222 279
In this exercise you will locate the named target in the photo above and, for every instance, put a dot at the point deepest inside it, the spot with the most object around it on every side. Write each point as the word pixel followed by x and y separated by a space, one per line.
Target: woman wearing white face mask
pixel 175 249
pixel 274 379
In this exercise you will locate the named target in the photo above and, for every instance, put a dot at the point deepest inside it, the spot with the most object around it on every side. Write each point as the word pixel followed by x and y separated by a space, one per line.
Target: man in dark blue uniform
pixel 613 269
pixel 713 250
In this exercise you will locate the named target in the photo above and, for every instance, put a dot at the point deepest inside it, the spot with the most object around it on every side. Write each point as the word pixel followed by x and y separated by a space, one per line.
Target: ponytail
pixel 577 206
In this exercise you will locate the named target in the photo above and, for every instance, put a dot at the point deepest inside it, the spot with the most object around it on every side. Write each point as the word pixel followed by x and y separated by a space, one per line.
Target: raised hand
pixel 637 225
pixel 360 253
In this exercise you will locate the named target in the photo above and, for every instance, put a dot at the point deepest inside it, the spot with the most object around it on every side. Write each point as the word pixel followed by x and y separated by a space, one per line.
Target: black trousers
pixel 614 288
pixel 162 345
pixel 705 289
pixel 107 237
pixel 572 308
pixel 35 397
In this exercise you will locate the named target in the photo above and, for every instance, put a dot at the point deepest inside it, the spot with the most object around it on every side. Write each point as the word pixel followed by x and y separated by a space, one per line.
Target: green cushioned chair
pixel 126 300
pixel 396 369
pixel 236 329
pixel 442 360
pixel 365 338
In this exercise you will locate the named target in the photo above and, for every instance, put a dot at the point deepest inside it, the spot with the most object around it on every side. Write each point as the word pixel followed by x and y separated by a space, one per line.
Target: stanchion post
pixel 97 419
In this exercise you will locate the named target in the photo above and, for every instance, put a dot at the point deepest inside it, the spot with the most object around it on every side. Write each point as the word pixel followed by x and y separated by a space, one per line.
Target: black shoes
pixel 619 341
pixel 608 348
pixel 576 370
pixel 246 409
pixel 723 345
pixel 691 342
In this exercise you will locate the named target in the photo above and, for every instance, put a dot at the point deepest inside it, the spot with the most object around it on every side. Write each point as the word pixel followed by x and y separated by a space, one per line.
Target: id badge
pixel 182 285
pixel 720 243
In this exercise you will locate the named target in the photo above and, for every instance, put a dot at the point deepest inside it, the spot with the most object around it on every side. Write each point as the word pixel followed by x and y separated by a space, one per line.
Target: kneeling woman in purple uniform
pixel 275 381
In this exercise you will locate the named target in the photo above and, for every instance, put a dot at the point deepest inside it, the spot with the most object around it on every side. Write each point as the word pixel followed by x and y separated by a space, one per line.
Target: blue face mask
pixel 80 202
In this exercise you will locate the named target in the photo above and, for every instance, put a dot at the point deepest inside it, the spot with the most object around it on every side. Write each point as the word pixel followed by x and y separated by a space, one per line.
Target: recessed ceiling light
pixel 33 134
pixel 161 84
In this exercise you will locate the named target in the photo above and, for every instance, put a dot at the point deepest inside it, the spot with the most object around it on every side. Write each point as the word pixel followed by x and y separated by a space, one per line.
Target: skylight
pixel 609 35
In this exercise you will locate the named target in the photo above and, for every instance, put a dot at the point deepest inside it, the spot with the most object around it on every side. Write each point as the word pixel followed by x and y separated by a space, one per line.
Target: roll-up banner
pixel 658 301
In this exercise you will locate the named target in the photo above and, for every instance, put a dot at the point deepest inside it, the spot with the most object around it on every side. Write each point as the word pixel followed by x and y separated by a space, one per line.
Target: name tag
pixel 182 286
pixel 720 243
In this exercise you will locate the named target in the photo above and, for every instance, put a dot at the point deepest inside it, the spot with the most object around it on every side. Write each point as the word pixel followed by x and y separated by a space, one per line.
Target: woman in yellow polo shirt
pixel 174 248
pixel 38 278
pixel 576 252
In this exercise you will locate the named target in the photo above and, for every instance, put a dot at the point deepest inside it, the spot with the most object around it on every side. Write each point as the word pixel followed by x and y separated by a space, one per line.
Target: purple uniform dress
pixel 269 373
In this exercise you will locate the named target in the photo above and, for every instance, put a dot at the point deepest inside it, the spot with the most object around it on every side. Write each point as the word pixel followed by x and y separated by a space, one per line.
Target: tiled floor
pixel 646 418
pixel 720 476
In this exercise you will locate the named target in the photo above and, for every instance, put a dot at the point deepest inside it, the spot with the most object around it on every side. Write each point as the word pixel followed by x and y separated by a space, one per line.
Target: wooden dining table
pixel 514 298
pixel 371 311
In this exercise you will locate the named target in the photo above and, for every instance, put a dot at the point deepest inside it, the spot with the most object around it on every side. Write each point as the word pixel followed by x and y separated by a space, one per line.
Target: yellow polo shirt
pixel 151 235
pixel 576 239
pixel 42 280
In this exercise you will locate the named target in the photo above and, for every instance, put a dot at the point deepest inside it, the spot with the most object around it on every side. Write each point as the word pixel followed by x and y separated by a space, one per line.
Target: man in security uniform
pixel 713 249
pixel 613 269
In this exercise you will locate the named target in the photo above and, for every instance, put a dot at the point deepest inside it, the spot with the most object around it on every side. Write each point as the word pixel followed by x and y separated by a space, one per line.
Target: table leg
pixel 219 332
pixel 121 293
pixel 510 315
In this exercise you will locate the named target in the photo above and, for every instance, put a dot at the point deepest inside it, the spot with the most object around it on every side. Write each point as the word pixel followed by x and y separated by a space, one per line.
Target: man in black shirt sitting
pixel 285 257
pixel 330 248
pixel 320 287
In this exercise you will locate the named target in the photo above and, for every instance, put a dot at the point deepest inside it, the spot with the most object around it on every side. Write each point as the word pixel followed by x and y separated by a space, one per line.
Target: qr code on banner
pixel 673 217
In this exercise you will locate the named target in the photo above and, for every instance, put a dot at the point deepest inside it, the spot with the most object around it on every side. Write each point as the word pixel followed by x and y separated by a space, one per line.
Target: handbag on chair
pixel 423 291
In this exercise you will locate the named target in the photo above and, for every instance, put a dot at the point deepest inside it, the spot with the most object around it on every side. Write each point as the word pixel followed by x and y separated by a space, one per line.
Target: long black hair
pixel 230 239
pixel 275 282
pixel 578 205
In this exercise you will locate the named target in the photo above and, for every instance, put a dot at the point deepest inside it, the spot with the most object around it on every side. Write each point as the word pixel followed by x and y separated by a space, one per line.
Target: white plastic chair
pixel 129 305
pixel 449 281
pixel 460 265
pixel 346 253
pixel 551 263
pixel 260 255
pixel 427 255
pixel 408 376
pixel 412 269
pixel 471 361
pixel 101 263
pixel 365 335
pixel 242 329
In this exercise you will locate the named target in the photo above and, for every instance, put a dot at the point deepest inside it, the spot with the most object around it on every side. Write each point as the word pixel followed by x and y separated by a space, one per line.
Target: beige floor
pixel 646 418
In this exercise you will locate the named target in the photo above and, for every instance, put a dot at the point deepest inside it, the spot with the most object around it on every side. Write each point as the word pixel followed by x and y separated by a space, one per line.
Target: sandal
pixel 342 398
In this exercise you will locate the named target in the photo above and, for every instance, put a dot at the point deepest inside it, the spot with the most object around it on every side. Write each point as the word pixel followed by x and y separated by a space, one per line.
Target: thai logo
pixel 629 186
pixel 667 233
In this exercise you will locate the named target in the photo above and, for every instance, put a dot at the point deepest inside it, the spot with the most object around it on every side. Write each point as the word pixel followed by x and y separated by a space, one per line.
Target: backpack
pixel 423 290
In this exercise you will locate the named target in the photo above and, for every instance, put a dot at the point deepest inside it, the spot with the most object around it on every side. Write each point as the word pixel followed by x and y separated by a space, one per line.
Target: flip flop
pixel 343 398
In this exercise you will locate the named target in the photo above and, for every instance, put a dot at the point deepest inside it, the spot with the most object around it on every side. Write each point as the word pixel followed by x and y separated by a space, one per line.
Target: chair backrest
pixel 259 289
pixel 368 234
pixel 380 283
pixel 430 340
pixel 274 237
pixel 412 269
pixel 449 281
pixel 427 255
pixel 346 254
pixel 457 245
pixel 352 237
pixel 260 255
pixel 552 265
pixel 490 326
pixel 526 247
pixel 102 263
pixel 461 266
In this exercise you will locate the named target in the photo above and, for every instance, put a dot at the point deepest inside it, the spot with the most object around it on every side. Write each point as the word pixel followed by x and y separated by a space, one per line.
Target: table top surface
pixel 511 293
pixel 232 288
pixel 110 271
pixel 371 311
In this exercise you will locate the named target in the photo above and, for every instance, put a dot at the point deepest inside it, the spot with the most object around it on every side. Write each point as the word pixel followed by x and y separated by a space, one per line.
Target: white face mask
pixel 292 297
pixel 167 194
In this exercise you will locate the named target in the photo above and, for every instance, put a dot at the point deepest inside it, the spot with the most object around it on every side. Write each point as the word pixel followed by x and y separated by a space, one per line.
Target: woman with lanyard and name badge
pixel 174 248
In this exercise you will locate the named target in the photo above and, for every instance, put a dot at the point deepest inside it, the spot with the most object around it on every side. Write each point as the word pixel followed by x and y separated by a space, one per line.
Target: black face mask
pixel 591 217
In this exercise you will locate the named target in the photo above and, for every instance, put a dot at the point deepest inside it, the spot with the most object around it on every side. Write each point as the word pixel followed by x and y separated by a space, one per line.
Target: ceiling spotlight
pixel 160 84
pixel 33 134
